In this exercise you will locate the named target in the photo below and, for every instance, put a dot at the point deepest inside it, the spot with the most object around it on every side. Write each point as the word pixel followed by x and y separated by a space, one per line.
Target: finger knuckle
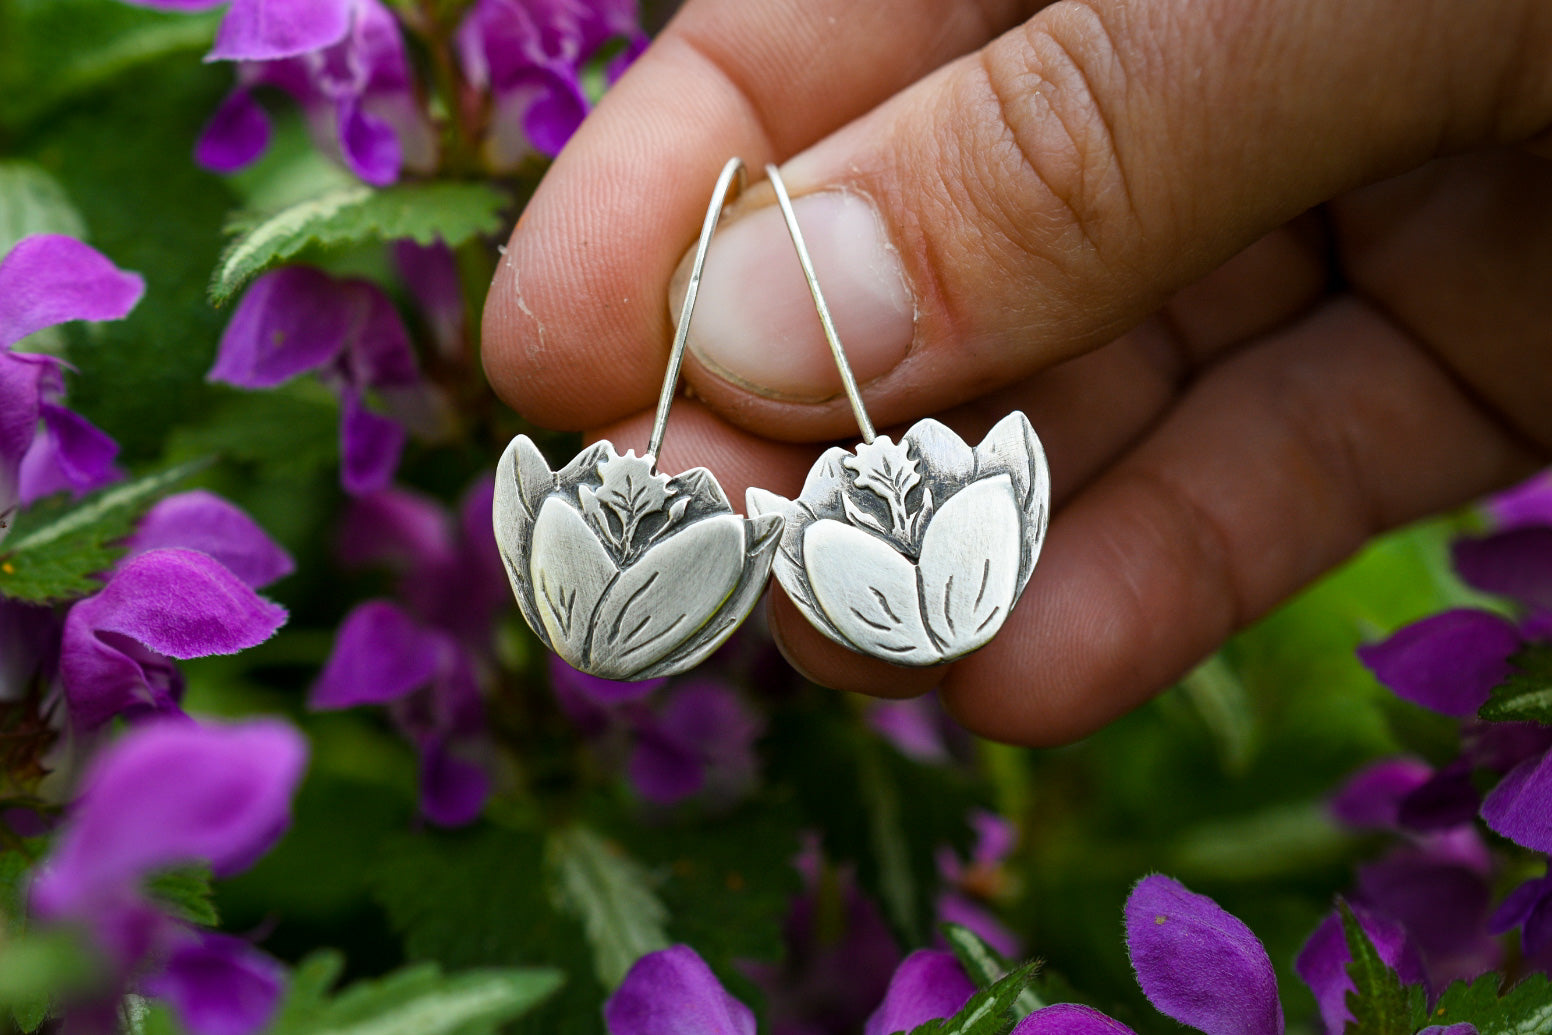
pixel 1053 171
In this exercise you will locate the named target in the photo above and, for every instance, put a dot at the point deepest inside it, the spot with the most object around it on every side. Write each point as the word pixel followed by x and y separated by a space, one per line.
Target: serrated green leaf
pixel 986 966
pixel 1526 1009
pixel 1526 696
pixel 417 1000
pixel 186 893
pixel 989 1011
pixel 33 202
pixel 452 211
pixel 612 894
pixel 58 561
pixel 1379 1002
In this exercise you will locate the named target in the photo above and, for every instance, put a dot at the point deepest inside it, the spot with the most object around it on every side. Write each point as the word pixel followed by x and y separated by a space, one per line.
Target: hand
pixel 1268 276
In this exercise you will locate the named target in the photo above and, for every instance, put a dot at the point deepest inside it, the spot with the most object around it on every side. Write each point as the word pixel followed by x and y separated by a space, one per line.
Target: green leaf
pixel 478 896
pixel 186 893
pixel 1525 1010
pixel 34 968
pixel 59 560
pixel 1219 697
pixel 986 966
pixel 417 1000
pixel 1379 1002
pixel 612 895
pixel 1527 695
pixel 452 211
pixel 33 202
pixel 989 1011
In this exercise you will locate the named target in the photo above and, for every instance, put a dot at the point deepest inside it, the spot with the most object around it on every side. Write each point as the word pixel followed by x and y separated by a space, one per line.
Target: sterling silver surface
pixel 625 572
pixel 622 571
pixel 913 552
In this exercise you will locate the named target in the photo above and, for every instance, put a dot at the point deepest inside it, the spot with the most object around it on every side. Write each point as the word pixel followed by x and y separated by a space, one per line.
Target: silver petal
pixel 868 593
pixel 571 571
pixel 969 565
pixel 667 597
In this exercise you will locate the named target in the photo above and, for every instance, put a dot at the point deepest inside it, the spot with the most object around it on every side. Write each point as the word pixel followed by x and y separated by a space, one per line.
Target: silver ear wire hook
pixel 847 380
pixel 729 185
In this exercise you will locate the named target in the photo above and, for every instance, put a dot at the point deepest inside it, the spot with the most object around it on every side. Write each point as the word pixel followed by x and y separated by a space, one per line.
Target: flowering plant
pixel 278 752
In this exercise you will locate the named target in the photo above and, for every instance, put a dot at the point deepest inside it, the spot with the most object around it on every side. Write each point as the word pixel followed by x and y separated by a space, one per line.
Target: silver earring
pixel 913 552
pixel 622 571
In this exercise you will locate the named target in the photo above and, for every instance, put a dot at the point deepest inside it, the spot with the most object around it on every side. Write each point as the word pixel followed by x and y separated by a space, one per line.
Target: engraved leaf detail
pixel 667 596
pixel 868 592
pixel 969 564
pixel 570 570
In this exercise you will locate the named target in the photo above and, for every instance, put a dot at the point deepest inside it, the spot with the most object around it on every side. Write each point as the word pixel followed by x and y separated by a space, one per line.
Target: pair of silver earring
pixel 913 552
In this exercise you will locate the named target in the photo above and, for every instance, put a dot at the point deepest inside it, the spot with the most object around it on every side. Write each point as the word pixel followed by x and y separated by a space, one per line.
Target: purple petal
pixel 368 144
pixel 1448 662
pixel 599 691
pixel 995 837
pixel 370 447
pixel 177 603
pixel 219 985
pixel 381 655
pixel 395 528
pixel 235 136
pixel 29 647
pixel 167 794
pixel 1463 1028
pixel 1516 564
pixel 291 320
pixel 1527 504
pixel 1322 963
pixel 1448 799
pixel 1441 904
pixel 554 114
pixel 1070 1019
pixel 23 379
pixel 49 278
pixel 956 908
pixel 203 521
pixel 927 986
pixel 912 726
pixel 378 352
pixel 1528 907
pixel 431 273
pixel 1520 807
pixel 672 990
pixel 664 771
pixel 71 455
pixel 702 736
pixel 452 791
pixel 263 30
pixel 1371 798
pixel 1199 964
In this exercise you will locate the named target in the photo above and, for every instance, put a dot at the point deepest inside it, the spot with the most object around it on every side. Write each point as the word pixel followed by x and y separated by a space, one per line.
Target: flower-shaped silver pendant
pixel 915 552
pixel 624 572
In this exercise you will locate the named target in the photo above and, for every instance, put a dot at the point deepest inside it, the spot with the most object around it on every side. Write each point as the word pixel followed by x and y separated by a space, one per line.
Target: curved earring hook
pixel 729 185
pixel 863 423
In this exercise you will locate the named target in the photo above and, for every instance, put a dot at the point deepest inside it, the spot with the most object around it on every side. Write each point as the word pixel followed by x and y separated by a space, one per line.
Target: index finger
pixel 576 327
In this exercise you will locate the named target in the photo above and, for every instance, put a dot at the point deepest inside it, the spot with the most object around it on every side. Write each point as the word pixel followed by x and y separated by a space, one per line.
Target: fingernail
pixel 755 322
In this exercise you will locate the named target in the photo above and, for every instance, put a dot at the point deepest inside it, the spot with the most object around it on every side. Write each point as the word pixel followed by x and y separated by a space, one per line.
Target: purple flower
pixel 829 980
pixel 115 657
pixel 529 54
pixel 1527 504
pixel 203 521
pixel 1198 964
pixel 430 271
pixel 928 985
pixel 1322 963
pixel 1438 892
pixel 1069 1019
pixel 168 794
pixel 449 570
pixel 970 882
pixel 384 656
pixel 673 992
pixel 296 319
pixel 690 737
pixel 1520 807
pixel 48 279
pixel 344 64
pixel 1528 907
pixel 914 726
pixel 1516 563
pixel 1448 662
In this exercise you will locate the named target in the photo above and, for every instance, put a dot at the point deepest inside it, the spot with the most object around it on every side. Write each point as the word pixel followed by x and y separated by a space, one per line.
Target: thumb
pixel 1032 200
